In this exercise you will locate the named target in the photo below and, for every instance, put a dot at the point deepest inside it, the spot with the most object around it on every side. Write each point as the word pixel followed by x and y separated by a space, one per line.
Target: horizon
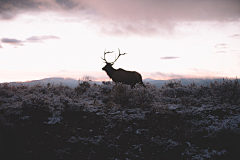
pixel 82 79
pixel 163 39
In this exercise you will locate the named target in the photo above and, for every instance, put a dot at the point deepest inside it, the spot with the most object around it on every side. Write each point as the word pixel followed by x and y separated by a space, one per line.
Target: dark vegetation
pixel 113 121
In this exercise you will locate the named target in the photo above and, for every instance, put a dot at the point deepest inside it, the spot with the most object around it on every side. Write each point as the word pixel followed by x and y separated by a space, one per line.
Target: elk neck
pixel 110 71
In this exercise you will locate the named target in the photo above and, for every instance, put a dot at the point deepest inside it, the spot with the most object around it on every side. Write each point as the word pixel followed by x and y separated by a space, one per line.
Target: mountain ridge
pixel 73 82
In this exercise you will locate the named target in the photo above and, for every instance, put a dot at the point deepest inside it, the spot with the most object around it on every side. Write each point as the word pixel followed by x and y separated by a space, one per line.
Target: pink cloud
pixel 151 17
pixel 124 17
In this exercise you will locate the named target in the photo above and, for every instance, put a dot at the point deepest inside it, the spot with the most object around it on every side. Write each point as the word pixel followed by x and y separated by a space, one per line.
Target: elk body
pixel 121 75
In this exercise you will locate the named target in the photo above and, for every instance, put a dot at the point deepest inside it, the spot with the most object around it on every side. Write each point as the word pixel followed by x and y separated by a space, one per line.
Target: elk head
pixel 108 66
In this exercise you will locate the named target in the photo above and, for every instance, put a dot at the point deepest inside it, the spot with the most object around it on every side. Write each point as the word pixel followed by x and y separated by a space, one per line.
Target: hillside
pixel 111 121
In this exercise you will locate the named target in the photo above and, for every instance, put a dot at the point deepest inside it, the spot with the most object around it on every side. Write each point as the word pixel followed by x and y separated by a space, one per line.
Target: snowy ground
pixel 116 122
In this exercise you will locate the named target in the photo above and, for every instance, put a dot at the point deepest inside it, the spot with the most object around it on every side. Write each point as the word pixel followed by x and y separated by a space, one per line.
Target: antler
pixel 112 52
pixel 118 56
pixel 105 54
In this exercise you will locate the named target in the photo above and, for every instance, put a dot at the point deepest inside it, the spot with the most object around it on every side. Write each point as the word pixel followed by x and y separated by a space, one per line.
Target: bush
pixel 172 84
pixel 122 94
pixel 227 91
pixel 83 86
pixel 133 97
pixel 106 88
pixel 144 96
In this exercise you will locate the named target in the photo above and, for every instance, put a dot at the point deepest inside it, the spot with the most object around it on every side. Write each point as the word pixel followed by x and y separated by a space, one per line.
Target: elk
pixel 121 75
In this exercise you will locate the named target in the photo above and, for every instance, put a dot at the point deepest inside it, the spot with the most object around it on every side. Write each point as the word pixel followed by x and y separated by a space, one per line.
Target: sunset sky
pixel 163 39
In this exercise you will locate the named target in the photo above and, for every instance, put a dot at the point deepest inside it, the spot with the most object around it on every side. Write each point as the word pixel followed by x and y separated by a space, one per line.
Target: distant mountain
pixel 185 81
pixel 148 80
pixel 73 82
pixel 54 80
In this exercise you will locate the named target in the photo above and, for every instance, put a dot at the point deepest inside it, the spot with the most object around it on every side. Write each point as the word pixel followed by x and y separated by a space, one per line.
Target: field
pixel 115 122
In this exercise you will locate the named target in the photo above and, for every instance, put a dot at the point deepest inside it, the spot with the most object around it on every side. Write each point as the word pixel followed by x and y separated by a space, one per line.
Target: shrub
pixel 121 94
pixel 227 91
pixel 83 86
pixel 172 84
pixel 144 95
pixel 133 97
pixel 106 82
pixel 106 88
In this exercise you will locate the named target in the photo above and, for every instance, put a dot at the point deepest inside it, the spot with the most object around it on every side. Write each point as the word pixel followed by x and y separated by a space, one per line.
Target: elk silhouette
pixel 121 75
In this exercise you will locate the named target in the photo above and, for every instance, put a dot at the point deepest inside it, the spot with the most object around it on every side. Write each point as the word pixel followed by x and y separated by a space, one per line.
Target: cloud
pixel 167 75
pixel 124 17
pixel 235 36
pixel 40 39
pixel 9 40
pixel 33 39
pixel 169 57
pixel 11 8
pixel 166 10
pixel 194 73
pixel 153 17
pixel 204 73
pixel 150 10
pixel 12 41
pixel 220 45
pixel 67 4
pixel 220 52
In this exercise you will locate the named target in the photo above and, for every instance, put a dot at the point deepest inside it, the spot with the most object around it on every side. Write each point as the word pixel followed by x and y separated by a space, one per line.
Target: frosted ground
pixel 116 122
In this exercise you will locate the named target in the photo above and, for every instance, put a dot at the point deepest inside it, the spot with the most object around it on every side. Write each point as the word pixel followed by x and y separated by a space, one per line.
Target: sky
pixel 163 39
